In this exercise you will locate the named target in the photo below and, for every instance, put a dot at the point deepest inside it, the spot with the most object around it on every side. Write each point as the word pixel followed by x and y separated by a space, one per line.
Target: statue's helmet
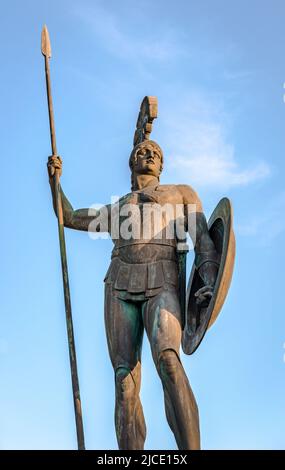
pixel 148 112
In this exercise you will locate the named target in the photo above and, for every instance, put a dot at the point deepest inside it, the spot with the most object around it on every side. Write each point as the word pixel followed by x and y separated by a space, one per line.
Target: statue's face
pixel 148 161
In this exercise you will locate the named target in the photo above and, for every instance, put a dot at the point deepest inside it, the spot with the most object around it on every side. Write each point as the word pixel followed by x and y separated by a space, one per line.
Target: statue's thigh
pixel 124 330
pixel 162 321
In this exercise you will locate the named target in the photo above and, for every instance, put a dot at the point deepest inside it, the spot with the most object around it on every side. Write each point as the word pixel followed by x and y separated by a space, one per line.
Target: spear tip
pixel 45 43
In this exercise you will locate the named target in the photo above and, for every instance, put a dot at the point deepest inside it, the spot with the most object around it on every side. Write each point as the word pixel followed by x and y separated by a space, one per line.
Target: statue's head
pixel 146 159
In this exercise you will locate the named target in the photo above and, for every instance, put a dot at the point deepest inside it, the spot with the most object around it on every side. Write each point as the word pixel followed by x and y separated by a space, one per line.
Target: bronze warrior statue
pixel 145 285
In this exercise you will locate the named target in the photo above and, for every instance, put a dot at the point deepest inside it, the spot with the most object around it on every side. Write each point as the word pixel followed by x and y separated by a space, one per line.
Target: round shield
pixel 197 319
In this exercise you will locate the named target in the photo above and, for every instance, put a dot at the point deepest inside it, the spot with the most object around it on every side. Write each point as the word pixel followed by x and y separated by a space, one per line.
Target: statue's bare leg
pixel 124 329
pixel 163 326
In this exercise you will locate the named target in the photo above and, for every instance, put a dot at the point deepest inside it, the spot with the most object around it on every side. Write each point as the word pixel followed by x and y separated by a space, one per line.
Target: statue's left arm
pixel 206 256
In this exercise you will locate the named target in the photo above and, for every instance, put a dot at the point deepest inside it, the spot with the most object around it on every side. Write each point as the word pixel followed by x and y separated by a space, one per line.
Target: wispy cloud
pixel 200 149
pixel 269 224
pixel 115 35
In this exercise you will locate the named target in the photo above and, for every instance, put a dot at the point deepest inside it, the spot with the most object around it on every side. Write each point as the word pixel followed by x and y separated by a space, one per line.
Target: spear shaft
pixel 46 51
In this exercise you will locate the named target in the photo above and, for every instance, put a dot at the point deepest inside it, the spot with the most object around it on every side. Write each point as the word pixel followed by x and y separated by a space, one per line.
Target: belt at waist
pixel 141 241
pixel 145 253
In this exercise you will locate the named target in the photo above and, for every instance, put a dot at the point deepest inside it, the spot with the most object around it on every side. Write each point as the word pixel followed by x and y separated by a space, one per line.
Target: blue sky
pixel 218 70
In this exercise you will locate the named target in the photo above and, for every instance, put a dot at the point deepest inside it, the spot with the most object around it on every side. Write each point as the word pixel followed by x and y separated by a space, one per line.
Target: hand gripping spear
pixel 46 50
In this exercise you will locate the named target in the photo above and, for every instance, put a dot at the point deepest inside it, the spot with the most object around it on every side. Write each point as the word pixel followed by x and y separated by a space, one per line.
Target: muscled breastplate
pixel 144 257
pixel 146 217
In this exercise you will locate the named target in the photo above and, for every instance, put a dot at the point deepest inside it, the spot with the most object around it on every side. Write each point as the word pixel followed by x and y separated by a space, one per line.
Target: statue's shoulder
pixel 180 194
pixel 189 195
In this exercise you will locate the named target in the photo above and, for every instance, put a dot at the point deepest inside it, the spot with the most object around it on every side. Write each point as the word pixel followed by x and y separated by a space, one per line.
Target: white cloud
pixel 115 36
pixel 200 150
pixel 266 226
pixel 216 166
pixel 197 133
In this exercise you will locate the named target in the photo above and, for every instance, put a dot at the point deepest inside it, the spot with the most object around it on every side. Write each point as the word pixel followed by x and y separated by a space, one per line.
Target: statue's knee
pixel 169 365
pixel 125 385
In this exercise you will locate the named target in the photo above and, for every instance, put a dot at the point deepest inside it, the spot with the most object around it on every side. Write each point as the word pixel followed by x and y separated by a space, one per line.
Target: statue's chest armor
pixel 146 214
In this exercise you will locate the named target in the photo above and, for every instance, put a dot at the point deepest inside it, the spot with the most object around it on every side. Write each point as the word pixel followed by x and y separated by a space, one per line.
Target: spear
pixel 46 51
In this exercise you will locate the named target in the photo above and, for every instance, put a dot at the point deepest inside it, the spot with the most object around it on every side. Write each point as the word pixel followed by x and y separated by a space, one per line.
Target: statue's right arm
pixel 80 219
